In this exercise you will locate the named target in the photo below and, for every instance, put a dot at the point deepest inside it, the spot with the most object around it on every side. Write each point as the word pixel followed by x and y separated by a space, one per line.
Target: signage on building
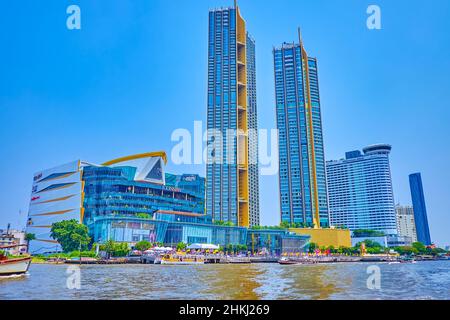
pixel 171 189
pixel 189 178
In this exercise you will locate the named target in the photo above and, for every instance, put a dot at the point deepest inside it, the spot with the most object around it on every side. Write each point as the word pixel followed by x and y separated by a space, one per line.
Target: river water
pixel 422 280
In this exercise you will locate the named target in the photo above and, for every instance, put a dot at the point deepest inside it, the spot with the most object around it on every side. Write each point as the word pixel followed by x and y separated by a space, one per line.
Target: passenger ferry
pixel 175 259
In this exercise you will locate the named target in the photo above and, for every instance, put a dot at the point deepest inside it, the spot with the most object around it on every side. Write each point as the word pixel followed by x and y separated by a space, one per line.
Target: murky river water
pixel 423 280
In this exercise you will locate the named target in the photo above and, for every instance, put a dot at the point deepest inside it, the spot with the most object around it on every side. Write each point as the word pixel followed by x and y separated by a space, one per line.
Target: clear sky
pixel 137 70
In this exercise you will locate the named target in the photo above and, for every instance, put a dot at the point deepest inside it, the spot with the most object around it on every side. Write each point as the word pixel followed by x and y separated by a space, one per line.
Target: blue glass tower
pixel 420 210
pixel 302 179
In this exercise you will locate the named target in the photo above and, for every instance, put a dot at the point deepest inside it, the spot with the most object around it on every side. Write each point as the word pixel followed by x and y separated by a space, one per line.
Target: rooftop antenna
pixel 300 36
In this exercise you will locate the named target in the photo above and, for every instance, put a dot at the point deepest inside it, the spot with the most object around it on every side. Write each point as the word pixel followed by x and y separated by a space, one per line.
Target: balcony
pixel 240 43
pixel 241 84
pixel 242 200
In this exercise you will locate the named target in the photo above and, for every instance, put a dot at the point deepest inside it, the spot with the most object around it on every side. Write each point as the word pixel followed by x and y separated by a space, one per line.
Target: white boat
pixel 9 267
pixel 14 266
pixel 287 261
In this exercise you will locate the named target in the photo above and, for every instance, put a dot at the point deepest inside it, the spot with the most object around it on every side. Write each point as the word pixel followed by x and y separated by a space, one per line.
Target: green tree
pixel 121 249
pixel 181 246
pixel 285 224
pixel 71 235
pixel 437 251
pixel 241 248
pixel 374 250
pixel 420 247
pixel 108 247
pixel 406 250
pixel 28 238
pixel 341 250
pixel 143 216
pixel 370 244
pixel 143 245
pixel 312 247
pixel 115 249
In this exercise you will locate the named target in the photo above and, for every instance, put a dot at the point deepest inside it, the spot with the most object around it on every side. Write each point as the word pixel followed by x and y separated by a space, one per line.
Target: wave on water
pixel 14 276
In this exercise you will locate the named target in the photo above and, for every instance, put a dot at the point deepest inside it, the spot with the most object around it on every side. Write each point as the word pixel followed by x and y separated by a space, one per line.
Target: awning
pixel 203 246
pixel 162 249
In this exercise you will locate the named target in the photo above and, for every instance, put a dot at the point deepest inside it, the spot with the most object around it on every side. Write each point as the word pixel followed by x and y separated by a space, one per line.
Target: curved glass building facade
pixel 114 192
pixel 360 190
pixel 174 229
pixel 170 230
pixel 131 199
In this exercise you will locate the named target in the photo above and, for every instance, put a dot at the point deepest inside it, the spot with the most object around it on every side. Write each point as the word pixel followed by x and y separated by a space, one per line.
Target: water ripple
pixel 423 280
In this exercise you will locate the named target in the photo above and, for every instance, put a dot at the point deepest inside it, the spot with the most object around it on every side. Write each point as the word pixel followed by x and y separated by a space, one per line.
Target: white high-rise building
pixel 360 190
pixel 406 225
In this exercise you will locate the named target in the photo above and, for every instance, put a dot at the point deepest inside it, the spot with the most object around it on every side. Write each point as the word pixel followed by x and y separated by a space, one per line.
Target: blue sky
pixel 137 70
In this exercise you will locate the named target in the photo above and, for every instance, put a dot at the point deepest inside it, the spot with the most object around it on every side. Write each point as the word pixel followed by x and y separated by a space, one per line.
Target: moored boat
pixel 181 259
pixel 14 266
pixel 287 261
pixel 406 260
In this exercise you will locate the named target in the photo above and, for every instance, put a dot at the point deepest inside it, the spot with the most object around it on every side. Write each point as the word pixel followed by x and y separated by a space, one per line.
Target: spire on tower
pixel 300 36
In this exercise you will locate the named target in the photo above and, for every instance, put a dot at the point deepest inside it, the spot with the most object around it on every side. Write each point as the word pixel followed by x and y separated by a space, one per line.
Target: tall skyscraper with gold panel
pixel 229 196
pixel 302 178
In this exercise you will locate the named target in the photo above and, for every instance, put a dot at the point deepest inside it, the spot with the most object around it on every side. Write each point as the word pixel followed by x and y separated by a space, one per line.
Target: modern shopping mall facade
pixel 132 199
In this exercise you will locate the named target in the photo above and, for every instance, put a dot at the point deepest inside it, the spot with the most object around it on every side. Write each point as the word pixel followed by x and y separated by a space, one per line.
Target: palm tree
pixel 29 237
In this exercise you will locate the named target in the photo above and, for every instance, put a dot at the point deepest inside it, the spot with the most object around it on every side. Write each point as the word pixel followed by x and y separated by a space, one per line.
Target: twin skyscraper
pixel 232 184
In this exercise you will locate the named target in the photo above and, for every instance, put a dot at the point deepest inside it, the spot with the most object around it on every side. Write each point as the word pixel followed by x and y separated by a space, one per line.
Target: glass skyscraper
pixel 252 113
pixel 360 190
pixel 302 179
pixel 231 172
pixel 420 210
